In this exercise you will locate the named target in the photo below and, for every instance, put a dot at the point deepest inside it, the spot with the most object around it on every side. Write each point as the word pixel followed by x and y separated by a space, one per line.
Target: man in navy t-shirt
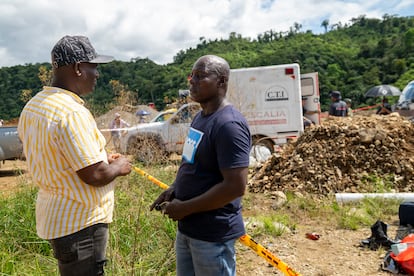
pixel 205 197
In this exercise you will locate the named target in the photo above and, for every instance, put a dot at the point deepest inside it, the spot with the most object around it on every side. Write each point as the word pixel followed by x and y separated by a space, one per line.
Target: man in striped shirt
pixel 66 157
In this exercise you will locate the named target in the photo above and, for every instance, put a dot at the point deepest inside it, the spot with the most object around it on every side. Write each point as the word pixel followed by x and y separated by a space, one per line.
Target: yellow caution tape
pixel 245 239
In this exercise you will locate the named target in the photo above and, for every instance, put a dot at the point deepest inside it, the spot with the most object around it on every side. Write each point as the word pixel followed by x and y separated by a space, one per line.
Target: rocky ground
pixel 340 155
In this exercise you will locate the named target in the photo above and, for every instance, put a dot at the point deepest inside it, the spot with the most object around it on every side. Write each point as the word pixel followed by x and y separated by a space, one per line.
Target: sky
pixel 159 29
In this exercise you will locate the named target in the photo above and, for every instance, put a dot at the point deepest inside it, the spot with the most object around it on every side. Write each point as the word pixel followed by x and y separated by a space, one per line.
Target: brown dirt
pixel 341 155
pixel 13 176
pixel 337 252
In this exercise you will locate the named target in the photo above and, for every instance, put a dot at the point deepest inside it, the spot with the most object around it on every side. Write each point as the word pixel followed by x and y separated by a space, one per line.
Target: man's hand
pixel 165 196
pixel 101 173
pixel 176 210
pixel 113 156
pixel 124 164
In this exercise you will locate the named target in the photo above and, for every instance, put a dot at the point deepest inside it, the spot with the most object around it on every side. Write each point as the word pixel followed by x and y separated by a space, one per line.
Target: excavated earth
pixel 341 155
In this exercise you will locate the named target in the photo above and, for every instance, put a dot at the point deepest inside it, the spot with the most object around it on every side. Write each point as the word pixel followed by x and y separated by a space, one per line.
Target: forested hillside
pixel 349 57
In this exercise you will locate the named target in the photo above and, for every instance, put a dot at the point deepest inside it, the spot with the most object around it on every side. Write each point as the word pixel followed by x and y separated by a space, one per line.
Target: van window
pixel 307 87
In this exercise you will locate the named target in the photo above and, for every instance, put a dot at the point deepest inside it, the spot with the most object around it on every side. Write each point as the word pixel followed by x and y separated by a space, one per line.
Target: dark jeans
pixel 83 252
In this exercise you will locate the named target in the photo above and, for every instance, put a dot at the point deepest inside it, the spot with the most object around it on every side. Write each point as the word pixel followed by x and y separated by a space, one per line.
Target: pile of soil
pixel 343 155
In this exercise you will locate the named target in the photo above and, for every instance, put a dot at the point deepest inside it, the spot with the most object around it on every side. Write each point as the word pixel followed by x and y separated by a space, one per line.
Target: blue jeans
pixel 83 252
pixel 201 258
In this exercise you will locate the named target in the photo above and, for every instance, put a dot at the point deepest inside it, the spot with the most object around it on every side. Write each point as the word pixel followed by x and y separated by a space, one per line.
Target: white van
pixel 270 97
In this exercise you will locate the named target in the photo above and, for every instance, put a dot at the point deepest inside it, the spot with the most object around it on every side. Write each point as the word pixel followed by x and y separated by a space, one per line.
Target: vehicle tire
pixel 264 142
pixel 147 150
pixel 261 149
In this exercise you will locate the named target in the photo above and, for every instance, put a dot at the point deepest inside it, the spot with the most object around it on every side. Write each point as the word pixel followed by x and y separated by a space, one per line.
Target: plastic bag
pixel 406 258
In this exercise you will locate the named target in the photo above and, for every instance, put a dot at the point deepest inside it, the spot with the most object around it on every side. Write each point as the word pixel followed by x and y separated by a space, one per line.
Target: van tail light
pixel 289 71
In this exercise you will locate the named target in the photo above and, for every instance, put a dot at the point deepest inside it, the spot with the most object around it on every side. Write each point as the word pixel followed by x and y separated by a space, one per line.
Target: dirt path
pixel 337 252
pixel 13 174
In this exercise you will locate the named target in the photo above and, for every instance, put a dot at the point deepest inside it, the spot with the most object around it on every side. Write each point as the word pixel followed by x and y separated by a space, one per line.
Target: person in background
pixel 307 122
pixel 384 108
pixel 338 107
pixel 142 114
pixel 1 122
pixel 142 119
pixel 205 197
pixel 66 157
pixel 117 130
pixel 349 106
pixel 305 113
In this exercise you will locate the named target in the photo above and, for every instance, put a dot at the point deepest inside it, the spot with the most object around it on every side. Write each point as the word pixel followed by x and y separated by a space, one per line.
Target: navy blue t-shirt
pixel 218 140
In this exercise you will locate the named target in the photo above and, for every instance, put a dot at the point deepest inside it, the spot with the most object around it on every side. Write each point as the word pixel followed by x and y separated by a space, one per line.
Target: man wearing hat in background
pixel 66 157
pixel 117 127
pixel 338 107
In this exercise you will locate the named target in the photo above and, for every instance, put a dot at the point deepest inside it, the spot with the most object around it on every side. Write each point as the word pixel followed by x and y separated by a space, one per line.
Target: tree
pixel 325 25
pixel 409 40
pixel 297 26
pixel 45 75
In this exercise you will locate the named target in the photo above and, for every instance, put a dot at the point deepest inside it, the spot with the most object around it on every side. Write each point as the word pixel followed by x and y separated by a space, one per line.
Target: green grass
pixel 142 241
pixel 21 251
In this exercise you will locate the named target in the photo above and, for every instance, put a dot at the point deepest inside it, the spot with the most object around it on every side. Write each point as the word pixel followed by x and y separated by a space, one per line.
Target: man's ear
pixel 76 67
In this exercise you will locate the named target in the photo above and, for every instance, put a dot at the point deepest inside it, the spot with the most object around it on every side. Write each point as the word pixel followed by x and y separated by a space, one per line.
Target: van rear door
pixel 310 90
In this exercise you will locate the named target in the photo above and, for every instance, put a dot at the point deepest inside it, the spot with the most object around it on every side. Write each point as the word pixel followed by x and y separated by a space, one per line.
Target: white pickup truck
pixel 150 142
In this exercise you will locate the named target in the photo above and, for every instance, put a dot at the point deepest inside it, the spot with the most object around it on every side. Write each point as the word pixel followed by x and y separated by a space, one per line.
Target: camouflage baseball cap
pixel 73 49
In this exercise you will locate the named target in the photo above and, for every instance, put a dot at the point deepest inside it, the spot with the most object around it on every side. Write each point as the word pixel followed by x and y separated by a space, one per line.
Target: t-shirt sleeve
pixel 79 140
pixel 233 145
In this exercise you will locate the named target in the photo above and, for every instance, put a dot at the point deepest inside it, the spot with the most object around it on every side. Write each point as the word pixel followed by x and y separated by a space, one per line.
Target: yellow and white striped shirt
pixel 60 137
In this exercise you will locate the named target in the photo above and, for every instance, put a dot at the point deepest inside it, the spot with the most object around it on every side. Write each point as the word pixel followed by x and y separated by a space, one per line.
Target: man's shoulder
pixel 232 115
pixel 233 111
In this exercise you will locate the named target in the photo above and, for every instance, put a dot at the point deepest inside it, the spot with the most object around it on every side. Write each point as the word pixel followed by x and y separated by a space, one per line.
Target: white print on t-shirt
pixel 191 143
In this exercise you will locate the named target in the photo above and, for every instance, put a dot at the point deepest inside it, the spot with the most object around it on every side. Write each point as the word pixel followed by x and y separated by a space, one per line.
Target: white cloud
pixel 159 29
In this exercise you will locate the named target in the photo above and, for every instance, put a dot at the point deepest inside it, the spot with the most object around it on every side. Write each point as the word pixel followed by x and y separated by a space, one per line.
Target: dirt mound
pixel 343 155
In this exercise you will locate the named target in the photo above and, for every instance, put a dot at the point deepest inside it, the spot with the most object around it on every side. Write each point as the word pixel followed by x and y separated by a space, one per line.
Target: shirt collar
pixel 75 97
